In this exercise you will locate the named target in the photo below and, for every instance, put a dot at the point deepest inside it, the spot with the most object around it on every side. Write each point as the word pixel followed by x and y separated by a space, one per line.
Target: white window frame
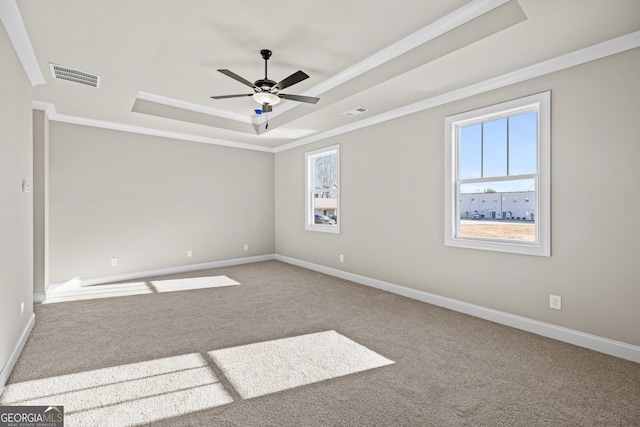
pixel 310 157
pixel 542 245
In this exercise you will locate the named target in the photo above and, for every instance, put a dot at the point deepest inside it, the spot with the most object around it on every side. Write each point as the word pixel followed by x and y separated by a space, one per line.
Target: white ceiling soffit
pixel 162 56
pixel 12 22
pixel 458 29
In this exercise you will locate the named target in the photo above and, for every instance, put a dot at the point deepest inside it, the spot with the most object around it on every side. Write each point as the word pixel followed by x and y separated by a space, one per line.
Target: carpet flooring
pixel 174 352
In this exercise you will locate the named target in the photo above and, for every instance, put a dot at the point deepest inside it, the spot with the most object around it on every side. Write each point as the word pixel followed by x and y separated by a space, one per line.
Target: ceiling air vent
pixel 355 112
pixel 76 76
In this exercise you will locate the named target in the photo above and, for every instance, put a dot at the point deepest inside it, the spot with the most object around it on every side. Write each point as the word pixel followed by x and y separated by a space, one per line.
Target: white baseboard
pixel 38 297
pixel 8 367
pixel 81 282
pixel 581 339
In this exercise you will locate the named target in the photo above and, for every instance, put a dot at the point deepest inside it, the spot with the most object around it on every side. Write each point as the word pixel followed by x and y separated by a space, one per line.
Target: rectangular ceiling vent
pixel 76 76
pixel 355 112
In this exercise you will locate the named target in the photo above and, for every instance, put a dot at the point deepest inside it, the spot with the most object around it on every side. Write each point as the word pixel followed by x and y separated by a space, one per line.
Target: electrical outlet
pixel 341 258
pixel 114 262
pixel 555 302
pixel 189 254
pixel 246 246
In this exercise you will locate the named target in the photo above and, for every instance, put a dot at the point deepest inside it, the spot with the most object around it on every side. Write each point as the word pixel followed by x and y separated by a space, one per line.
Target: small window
pixel 323 190
pixel 503 149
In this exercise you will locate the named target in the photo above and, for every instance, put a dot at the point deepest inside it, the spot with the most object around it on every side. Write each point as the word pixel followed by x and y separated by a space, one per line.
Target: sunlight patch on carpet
pixel 127 394
pixel 79 292
pixel 268 367
pixel 98 291
pixel 173 285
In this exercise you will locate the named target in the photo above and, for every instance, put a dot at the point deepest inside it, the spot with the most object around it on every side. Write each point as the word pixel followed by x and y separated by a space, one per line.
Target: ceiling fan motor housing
pixel 266 54
pixel 265 84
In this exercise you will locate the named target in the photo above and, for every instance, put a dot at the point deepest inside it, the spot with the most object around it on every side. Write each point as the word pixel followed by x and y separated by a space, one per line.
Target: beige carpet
pixel 145 392
pixel 450 369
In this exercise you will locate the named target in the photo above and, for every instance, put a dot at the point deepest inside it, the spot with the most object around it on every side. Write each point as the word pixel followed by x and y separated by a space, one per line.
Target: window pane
pixel 494 148
pixel 523 138
pixel 325 207
pixel 323 190
pixel 326 172
pixel 470 151
pixel 503 210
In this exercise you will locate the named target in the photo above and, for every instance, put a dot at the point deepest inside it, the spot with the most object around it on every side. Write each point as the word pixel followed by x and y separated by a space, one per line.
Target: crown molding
pixel 52 114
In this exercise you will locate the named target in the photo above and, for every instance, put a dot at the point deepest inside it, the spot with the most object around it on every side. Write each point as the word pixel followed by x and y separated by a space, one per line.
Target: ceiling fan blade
pixel 231 96
pixel 299 98
pixel 294 78
pixel 237 77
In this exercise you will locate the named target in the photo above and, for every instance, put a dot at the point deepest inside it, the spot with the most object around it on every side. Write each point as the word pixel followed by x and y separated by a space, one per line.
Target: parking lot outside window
pixel 322 188
pixel 501 151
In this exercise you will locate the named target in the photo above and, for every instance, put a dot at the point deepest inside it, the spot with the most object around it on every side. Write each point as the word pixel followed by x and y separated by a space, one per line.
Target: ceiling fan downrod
pixel 266 54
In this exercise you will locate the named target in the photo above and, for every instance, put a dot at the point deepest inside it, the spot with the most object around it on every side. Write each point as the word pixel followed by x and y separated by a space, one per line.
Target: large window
pixel 322 211
pixel 497 177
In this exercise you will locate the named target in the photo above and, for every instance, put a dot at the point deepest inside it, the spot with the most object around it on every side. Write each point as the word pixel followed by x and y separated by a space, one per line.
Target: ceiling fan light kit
pixel 266 92
pixel 266 98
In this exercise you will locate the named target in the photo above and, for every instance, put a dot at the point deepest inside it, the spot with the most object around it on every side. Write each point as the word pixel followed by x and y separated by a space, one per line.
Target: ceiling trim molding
pixel 435 29
pixel 581 56
pixel 559 63
pixel 53 115
pixel 172 102
pixel 13 23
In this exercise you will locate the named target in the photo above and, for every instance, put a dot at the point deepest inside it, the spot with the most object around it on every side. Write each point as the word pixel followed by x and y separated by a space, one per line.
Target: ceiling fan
pixel 267 92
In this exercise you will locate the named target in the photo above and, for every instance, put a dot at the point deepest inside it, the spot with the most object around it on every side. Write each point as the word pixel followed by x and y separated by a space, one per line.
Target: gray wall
pixel 16 207
pixel 392 207
pixel 40 201
pixel 148 200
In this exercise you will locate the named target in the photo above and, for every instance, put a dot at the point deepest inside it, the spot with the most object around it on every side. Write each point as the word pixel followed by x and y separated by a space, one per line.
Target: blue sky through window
pixel 523 137
pixel 499 148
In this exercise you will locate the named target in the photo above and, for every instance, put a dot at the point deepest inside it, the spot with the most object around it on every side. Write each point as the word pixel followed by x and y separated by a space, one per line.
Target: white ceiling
pixel 157 59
